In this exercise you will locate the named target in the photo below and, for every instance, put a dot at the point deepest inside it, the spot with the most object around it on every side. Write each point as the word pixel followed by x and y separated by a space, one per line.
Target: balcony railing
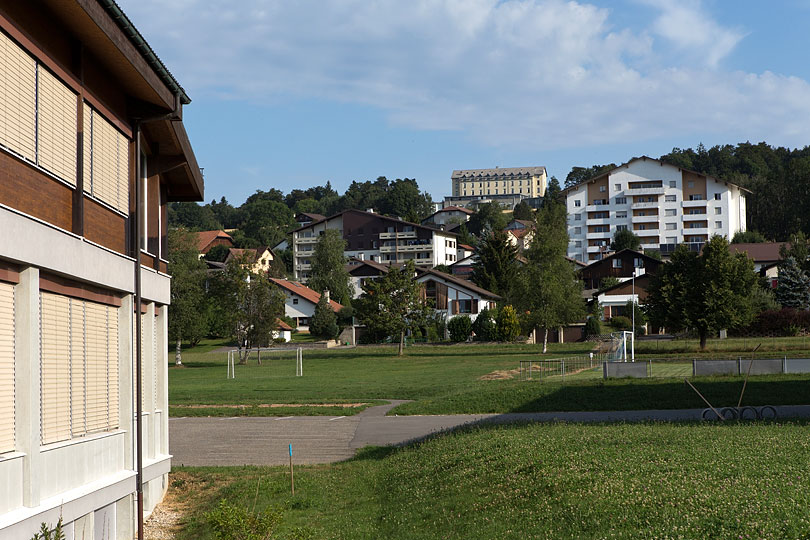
pixel 645 191
pixel 392 235
pixel 645 204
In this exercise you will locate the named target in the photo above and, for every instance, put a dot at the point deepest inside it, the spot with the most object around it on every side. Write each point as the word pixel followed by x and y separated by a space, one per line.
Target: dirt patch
pixel 272 405
pixel 169 517
pixel 500 375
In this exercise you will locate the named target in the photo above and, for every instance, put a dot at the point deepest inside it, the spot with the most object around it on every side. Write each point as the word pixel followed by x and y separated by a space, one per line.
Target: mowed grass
pixel 695 481
pixel 445 380
pixel 731 347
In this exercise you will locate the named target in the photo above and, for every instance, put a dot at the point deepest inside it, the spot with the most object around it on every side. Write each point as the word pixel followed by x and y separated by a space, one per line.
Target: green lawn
pixel 733 480
pixel 731 347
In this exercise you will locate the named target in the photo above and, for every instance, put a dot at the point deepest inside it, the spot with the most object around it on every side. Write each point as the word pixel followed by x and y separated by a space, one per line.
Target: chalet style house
pixel 92 148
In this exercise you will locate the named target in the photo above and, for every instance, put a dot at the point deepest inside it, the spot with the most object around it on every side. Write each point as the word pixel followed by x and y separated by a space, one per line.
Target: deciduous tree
pixel 625 239
pixel 186 312
pixel 329 268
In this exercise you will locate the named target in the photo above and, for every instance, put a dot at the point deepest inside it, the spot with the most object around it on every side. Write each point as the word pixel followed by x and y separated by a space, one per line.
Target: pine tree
pixel 324 321
pixel 495 263
pixel 794 285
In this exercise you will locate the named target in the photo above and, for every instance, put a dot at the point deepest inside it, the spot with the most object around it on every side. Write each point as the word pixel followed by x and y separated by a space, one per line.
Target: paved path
pixel 326 439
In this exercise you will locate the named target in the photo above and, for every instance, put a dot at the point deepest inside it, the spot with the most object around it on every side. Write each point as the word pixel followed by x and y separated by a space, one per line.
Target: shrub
pixel 785 322
pixel 345 315
pixel 592 327
pixel 621 323
pixel 324 321
pixel 508 324
pixel 45 532
pixel 460 328
pixel 236 523
pixel 484 327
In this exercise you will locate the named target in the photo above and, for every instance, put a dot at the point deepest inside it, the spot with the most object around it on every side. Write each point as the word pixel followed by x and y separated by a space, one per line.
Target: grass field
pixel 734 480
pixel 442 380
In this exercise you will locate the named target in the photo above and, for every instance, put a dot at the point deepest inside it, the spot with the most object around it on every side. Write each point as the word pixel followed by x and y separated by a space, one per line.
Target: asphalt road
pixel 326 439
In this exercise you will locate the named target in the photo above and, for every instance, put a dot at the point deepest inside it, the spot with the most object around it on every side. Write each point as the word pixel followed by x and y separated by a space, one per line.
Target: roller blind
pixel 106 161
pixel 6 367
pixel 78 372
pixel 55 370
pixel 17 99
pixel 154 362
pixel 56 140
pixel 96 358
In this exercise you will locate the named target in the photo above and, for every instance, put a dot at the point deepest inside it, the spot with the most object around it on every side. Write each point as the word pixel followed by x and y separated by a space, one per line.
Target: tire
pixel 767 413
pixel 708 414
pixel 729 413
pixel 749 413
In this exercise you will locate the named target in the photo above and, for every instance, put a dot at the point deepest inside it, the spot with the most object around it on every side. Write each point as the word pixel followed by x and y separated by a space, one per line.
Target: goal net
pixel 273 362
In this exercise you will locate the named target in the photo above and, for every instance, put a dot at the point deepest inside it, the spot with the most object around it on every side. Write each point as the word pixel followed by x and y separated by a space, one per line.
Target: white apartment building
pixel 526 181
pixel 662 204
pixel 374 237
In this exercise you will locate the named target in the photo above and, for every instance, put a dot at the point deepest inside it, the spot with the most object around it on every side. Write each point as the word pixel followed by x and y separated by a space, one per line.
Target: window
pixel 671 226
pixel 638 262
pixel 696 225
pixel 464 306
pixel 617 263
pixel 578 243
pixel 602 189
pixel 718 224
pixel 669 212
pixel 295 301
pixel 670 198
pixel 690 183
pixel 617 187
pixel 621 214
pixel 718 211
pixel 718 197
pixel 621 227
pixel 577 230
pixel 672 183
pixel 105 161
pixel 577 217
pixel 672 239
pixel 79 367
pixel 6 366
pixel 577 203
pixel 696 197
pixel 621 200
pixel 642 227
pixel 601 228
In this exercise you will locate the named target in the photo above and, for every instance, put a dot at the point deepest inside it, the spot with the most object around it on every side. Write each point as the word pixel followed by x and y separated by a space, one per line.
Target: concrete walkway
pixel 326 439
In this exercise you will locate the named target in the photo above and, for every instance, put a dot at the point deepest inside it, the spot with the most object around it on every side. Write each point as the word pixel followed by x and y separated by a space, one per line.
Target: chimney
pixel 361 256
pixel 326 294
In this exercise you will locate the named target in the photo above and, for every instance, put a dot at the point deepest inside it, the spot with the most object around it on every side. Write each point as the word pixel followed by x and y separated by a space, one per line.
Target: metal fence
pixel 560 367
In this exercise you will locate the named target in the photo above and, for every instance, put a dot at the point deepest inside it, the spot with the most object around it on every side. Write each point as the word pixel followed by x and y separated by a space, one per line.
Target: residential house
pixel 283 331
pixel 452 295
pixel 463 267
pixel 92 149
pixel 208 239
pixel 765 256
pixel 448 215
pixel 520 233
pixel 613 300
pixel 305 218
pixel 371 236
pixel 301 301
pixel 360 271
pixel 663 204
pixel 463 251
pixel 618 265
pixel 260 259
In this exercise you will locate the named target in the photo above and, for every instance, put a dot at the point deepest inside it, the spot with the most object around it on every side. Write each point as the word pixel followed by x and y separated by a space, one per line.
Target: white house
pixel 301 301
pixel 453 295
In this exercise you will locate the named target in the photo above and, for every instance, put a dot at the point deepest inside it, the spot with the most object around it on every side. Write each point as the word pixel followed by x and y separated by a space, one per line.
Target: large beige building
pixel 526 181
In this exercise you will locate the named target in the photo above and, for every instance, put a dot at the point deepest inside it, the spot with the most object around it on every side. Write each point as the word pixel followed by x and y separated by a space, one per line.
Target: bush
pixel 592 327
pixel 621 323
pixel 45 532
pixel 460 328
pixel 508 324
pixel 324 321
pixel 236 523
pixel 484 327
pixel 783 322
pixel 344 316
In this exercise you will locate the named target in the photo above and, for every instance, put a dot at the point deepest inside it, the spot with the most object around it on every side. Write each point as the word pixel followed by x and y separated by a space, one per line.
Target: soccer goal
pixel 278 362
pixel 622 346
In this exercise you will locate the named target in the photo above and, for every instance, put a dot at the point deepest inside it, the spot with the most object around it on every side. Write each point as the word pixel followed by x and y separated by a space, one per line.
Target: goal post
pixel 276 359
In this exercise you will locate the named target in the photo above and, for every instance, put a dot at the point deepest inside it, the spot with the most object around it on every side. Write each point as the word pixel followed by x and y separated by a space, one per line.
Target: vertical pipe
pixel 138 330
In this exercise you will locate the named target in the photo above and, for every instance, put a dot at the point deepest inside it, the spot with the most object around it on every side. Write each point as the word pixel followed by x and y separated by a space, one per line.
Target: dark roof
pixel 498 171
pixel 467 284
pixel 371 214
pixel 634 252
pixel 355 263
pixel 647 158
pixel 641 282
pixel 454 208
pixel 135 37
pixel 763 252
pixel 312 216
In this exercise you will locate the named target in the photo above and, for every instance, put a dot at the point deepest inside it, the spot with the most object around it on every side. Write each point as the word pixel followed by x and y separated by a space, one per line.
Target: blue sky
pixel 289 94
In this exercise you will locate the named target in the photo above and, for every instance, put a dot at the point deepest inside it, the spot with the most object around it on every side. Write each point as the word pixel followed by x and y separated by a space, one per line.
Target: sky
pixel 294 93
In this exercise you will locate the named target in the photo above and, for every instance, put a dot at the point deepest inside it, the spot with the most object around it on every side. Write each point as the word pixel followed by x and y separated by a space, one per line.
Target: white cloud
pixel 537 73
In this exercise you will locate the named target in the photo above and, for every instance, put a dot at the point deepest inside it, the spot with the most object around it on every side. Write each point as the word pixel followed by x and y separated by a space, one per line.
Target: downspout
pixel 138 305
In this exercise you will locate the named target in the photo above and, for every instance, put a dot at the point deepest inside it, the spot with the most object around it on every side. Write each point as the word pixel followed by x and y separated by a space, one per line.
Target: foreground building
pixel 375 237
pixel 662 204
pixel 83 193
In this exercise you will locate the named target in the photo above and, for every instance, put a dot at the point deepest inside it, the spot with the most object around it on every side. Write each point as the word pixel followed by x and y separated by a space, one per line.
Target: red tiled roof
pixel 282 325
pixel 762 252
pixel 204 238
pixel 520 233
pixel 467 247
pixel 304 292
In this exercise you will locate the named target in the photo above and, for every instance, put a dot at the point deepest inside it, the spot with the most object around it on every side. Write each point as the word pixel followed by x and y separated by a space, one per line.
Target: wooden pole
pixel 292 480
pixel 720 416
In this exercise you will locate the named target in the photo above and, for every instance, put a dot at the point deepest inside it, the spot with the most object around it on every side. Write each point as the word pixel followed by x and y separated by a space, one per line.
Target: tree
pixel 547 289
pixel 748 237
pixel 798 249
pixel 267 220
pixel 592 327
pixel 324 321
pixel 393 304
pixel 488 217
pixel 553 191
pixel 625 239
pixel 484 327
pixel 247 304
pixel 581 174
pixel 706 292
pixel 793 290
pixel 217 253
pixel 608 282
pixel 495 263
pixel 329 268
pixel 187 290
pixel 508 326
pixel 460 328
pixel 523 211
pixel 192 216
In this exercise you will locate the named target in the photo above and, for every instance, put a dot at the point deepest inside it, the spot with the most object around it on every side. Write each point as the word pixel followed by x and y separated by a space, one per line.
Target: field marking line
pixel 285 418
pixel 338 418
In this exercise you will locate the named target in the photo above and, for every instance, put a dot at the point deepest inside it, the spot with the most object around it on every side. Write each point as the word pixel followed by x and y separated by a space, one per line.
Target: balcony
pixel 392 235
pixel 648 228
pixel 645 191
pixel 301 252
pixel 406 249
pixel 599 221
pixel 645 219
pixel 688 231
pixel 597 207
pixel 301 267
pixel 599 235
pixel 693 204
pixel 598 249
pixel 307 239
pixel 636 205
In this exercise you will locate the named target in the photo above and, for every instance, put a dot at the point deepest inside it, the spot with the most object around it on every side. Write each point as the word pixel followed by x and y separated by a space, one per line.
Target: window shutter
pixel 55 367
pixel 106 161
pixel 96 358
pixel 78 370
pixel 18 96
pixel 6 367
pixel 474 303
pixel 154 362
pixel 112 367
pixel 56 141
pixel 454 307
pixel 87 149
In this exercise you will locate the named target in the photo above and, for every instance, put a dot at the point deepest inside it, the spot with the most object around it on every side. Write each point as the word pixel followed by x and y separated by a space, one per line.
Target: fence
pixel 560 367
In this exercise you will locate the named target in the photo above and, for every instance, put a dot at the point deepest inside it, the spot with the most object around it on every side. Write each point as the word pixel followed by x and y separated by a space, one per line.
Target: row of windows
pixel 669 212
pixel 642 198
pixel 38 121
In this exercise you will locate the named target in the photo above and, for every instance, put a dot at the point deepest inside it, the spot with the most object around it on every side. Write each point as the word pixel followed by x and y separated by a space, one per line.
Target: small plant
pixel 621 322
pixel 231 522
pixel 592 327
pixel 508 324
pixel 460 328
pixel 484 327
pixel 45 532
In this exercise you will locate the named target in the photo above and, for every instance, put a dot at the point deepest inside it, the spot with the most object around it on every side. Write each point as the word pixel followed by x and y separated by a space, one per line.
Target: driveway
pixel 326 439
